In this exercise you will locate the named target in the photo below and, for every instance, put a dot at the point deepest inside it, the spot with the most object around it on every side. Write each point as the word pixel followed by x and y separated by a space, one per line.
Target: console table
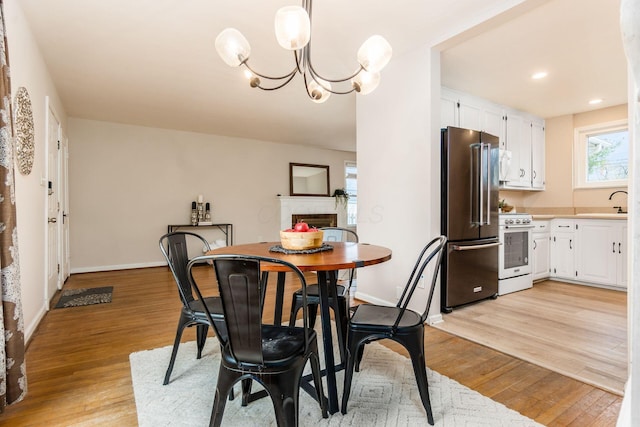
pixel 227 229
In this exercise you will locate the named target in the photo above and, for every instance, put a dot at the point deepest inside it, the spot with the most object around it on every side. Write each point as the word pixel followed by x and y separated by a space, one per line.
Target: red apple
pixel 301 226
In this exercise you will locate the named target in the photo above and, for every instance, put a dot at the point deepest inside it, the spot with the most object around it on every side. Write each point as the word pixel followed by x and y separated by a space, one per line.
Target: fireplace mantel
pixel 309 205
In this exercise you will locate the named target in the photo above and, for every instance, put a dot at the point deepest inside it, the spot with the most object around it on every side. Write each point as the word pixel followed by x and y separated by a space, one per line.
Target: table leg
pixel 332 292
pixel 277 315
pixel 328 342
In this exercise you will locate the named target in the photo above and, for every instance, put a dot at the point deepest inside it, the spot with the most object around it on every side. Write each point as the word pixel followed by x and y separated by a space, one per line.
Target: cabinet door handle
pixel 535 245
pixel 614 248
pixel 570 240
pixel 619 247
pixel 534 174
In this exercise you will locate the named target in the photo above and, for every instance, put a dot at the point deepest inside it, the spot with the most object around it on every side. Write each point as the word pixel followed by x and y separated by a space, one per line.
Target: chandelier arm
pixel 286 76
pixel 317 78
pixel 316 74
pixel 291 76
pixel 306 85
pixel 299 55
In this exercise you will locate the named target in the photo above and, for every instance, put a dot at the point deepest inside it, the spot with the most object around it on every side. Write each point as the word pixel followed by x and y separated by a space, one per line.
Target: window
pixel 601 155
pixel 351 186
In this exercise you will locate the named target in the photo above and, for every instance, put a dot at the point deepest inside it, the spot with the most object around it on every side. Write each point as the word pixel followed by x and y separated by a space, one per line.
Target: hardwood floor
pixel 78 361
pixel 578 331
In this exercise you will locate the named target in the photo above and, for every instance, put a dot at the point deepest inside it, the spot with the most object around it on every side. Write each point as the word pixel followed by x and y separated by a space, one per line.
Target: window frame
pixel 580 148
pixel 352 221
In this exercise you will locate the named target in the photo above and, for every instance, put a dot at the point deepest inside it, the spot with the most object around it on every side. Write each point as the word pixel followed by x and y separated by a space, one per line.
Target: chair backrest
pixel 430 255
pixel 175 248
pixel 241 286
pixel 339 234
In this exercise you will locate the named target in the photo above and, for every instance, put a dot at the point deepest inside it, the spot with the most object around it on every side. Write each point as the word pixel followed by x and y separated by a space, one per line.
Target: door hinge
pixel 58 268
pixel 58 145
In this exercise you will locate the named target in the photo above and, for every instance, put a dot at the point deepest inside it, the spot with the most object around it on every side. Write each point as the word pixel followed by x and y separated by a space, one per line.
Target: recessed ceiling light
pixel 539 75
pixel 595 101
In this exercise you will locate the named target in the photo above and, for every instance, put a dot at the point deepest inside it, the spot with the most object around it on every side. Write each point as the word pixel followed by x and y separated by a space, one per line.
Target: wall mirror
pixel 308 180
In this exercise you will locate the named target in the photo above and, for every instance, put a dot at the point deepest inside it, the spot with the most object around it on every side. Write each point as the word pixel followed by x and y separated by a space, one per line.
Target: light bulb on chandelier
pixel 293 32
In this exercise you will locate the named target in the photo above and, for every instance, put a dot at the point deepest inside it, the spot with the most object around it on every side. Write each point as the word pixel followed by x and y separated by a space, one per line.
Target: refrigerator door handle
pixel 474 247
pixel 481 183
pixel 487 182
pixel 476 185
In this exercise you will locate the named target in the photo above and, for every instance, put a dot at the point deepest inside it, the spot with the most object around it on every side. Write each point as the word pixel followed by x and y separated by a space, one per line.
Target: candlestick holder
pixel 194 214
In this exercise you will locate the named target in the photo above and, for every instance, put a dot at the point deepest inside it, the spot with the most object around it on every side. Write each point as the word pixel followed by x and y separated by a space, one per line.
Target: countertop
pixel 583 216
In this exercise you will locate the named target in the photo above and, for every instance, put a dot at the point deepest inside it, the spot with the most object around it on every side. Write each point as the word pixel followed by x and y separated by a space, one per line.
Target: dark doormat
pixel 85 296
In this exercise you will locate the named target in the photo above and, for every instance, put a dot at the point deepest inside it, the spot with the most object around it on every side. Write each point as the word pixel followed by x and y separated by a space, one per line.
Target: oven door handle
pixel 515 227
pixel 474 247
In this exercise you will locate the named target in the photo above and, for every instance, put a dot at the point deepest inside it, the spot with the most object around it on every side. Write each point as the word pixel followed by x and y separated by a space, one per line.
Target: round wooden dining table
pixel 342 256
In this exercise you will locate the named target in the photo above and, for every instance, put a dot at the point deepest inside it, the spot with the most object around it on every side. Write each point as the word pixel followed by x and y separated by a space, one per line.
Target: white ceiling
pixel 577 42
pixel 153 62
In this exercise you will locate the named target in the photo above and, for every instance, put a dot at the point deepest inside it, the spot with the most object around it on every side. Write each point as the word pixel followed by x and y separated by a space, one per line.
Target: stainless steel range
pixel 514 258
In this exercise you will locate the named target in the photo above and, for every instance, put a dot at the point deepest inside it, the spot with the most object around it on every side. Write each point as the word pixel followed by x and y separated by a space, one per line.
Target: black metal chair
pixel 375 322
pixel 175 248
pixel 273 355
pixel 339 304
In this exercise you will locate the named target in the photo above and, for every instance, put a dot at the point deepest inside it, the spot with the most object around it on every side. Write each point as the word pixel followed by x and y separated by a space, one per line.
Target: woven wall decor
pixel 24 142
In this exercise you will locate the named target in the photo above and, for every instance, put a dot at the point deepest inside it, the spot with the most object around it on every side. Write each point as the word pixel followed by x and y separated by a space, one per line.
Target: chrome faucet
pixel 620 211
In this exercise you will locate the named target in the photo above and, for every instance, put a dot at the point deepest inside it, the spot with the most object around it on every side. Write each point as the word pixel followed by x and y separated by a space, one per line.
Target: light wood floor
pixel 578 331
pixel 79 374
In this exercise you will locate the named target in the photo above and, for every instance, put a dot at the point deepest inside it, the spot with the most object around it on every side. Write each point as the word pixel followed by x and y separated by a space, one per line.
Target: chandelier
pixel 293 31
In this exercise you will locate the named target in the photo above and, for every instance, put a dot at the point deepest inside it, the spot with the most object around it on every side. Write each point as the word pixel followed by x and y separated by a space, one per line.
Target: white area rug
pixel 384 393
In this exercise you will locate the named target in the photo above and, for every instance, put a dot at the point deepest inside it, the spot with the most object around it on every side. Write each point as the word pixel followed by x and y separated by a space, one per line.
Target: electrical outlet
pixel 421 282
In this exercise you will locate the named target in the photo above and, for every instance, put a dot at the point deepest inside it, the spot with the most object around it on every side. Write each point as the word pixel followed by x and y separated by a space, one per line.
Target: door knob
pixel 52 220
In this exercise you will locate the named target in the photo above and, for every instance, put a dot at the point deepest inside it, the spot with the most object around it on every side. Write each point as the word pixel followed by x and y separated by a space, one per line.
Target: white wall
pixel 29 70
pixel 399 200
pixel 127 183
pixel 396 198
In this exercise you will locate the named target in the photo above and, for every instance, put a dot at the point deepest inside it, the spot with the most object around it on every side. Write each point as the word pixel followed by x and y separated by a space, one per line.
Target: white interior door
pixel 65 256
pixel 53 206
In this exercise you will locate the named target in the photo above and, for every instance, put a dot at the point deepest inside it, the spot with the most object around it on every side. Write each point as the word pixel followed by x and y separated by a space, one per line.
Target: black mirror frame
pixel 291 189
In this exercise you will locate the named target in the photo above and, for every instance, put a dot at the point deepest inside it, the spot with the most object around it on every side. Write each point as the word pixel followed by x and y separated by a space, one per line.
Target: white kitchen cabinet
pixel 449 113
pixel 563 249
pixel 541 236
pixel 525 140
pixel 623 256
pixel 518 132
pixel 470 112
pixel 601 255
pixel 537 155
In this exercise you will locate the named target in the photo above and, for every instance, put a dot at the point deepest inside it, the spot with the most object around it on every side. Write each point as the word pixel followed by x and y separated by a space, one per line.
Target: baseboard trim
pixel 117 267
pixel 373 300
pixel 31 328
pixel 434 319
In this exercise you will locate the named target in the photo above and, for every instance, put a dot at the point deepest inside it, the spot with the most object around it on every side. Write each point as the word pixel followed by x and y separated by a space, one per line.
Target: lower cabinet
pixel 601 256
pixel 563 249
pixel 589 251
pixel 541 245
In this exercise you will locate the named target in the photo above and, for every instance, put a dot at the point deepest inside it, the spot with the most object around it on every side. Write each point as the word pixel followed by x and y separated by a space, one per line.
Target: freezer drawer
pixel 471 273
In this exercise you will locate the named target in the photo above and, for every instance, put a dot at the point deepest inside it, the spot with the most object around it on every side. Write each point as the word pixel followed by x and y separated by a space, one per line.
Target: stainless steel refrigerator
pixel 469 216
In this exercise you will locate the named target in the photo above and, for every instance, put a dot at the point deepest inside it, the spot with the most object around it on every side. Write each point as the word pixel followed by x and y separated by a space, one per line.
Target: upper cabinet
pixel 469 112
pixel 537 154
pixel 521 136
pixel 525 143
